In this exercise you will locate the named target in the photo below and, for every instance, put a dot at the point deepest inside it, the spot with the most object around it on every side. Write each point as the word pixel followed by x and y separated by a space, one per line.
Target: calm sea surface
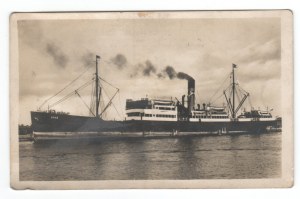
pixel 201 157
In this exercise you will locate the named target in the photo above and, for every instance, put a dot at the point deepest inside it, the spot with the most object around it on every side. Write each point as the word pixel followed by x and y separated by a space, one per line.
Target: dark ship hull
pixel 52 122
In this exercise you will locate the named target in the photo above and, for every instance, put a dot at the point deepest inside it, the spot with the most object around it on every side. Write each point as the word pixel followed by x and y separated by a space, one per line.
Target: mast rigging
pixel 233 91
pixel 97 89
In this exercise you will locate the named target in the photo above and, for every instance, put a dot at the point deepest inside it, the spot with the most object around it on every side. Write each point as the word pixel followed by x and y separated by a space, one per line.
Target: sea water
pixel 192 157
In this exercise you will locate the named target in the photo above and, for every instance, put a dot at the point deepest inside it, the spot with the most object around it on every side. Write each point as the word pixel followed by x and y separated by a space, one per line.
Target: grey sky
pixel 134 51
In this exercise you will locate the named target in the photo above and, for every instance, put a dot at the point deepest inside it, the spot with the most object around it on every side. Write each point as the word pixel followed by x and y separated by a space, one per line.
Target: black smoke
pixel 119 60
pixel 182 75
pixel 59 58
pixel 148 68
pixel 160 75
pixel 145 69
pixel 170 72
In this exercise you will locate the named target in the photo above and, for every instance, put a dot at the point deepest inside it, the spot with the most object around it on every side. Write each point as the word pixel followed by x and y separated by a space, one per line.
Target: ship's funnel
pixel 191 94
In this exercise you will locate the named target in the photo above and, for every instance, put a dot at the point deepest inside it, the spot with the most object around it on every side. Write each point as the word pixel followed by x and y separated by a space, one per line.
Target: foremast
pixel 98 92
pixel 98 89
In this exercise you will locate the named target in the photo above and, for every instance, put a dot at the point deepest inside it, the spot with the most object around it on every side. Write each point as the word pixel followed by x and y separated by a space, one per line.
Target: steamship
pixel 158 115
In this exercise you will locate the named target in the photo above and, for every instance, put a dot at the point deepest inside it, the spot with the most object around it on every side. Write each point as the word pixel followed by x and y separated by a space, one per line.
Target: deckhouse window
pixel 165 108
pixel 166 116
pixel 133 114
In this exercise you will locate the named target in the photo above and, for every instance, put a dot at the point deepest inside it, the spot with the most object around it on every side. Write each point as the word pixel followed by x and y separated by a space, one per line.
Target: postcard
pixel 168 99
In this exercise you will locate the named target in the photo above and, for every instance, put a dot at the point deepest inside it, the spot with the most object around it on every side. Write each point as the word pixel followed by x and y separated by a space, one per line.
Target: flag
pixel 97 57
pixel 234 66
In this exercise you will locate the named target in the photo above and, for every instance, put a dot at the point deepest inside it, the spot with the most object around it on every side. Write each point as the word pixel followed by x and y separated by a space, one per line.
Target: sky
pixel 136 55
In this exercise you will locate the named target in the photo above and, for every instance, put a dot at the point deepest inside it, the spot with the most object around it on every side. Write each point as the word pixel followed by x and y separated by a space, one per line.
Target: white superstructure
pixel 151 110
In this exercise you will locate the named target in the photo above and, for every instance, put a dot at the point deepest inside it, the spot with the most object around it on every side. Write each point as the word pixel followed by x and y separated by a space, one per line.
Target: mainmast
pixel 229 99
pixel 233 91
pixel 97 87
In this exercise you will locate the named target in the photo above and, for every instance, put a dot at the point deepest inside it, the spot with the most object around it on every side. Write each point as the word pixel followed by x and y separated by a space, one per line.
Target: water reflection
pixel 207 157
pixel 187 164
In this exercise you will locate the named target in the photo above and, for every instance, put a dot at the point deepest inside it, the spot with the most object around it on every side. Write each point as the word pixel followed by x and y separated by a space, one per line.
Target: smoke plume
pixel 182 75
pixel 144 69
pixel 119 60
pixel 57 55
pixel 148 68
pixel 170 72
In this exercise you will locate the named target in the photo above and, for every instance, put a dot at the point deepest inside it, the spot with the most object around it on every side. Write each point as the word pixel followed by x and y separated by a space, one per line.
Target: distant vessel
pixel 159 115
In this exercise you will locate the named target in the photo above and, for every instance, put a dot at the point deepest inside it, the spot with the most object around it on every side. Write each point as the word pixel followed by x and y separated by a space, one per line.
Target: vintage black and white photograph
pixel 151 100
